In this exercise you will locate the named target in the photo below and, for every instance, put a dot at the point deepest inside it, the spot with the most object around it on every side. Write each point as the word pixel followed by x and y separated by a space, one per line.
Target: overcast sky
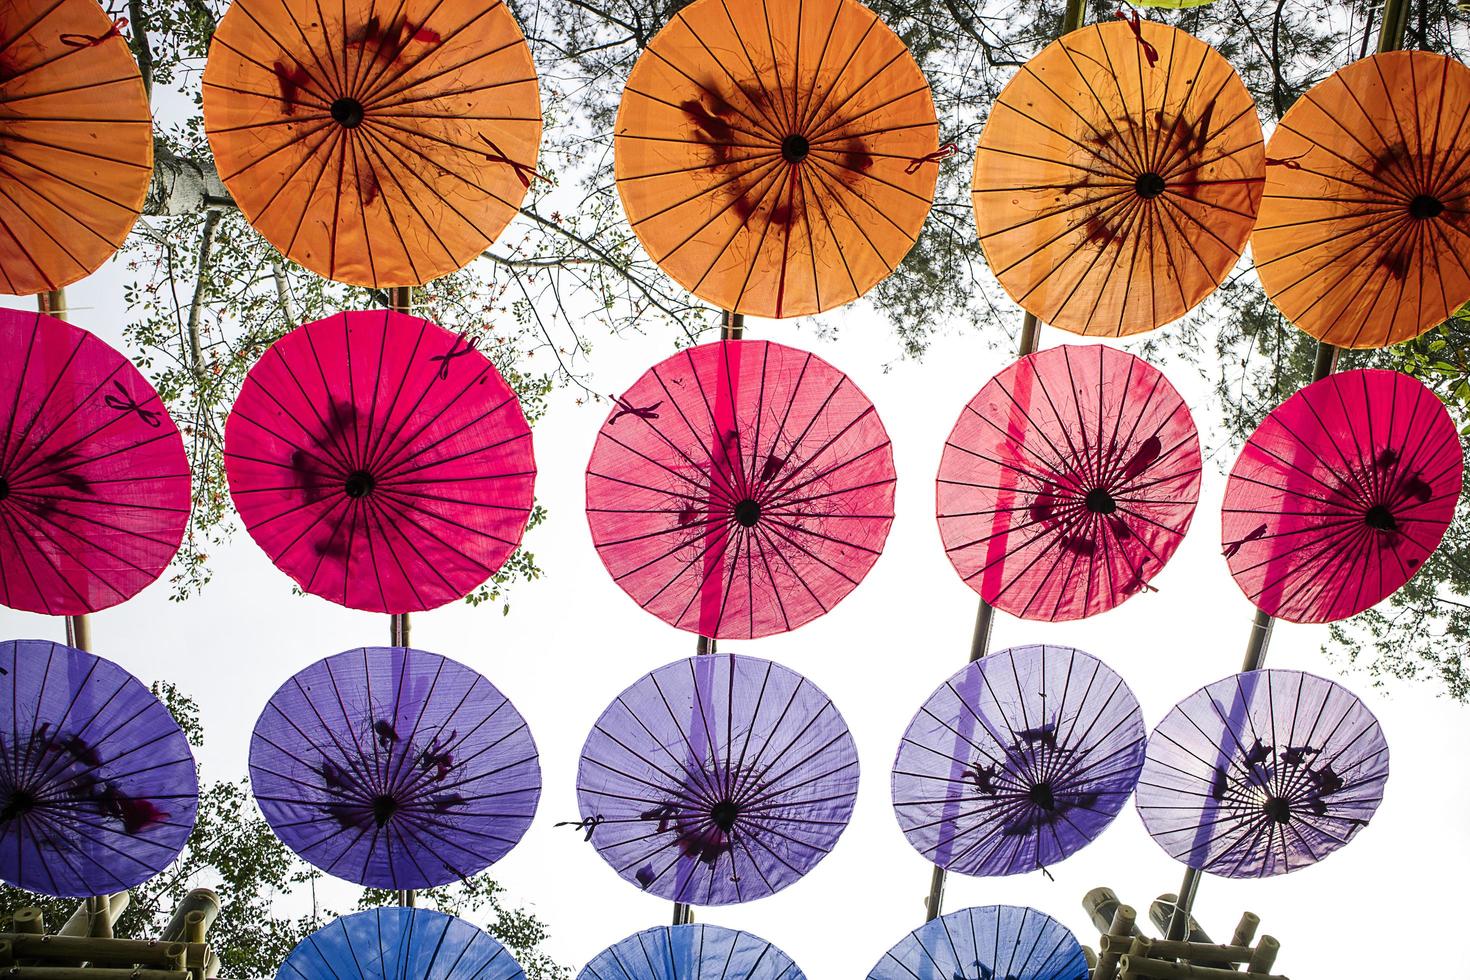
pixel 573 641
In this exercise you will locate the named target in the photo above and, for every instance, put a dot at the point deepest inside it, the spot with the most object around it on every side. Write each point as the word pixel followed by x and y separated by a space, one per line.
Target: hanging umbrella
pixel 740 488
pixel 717 779
pixel 1018 761
pixel 394 768
pixel 1364 231
pixel 375 143
pixel 1340 495
pixel 94 483
pixel 381 461
pixel 1068 482
pixel 1118 177
pixel 76 142
pixel 1262 773
pixel 993 942
pixel 691 952
pixel 97 785
pixel 395 942
pixel 777 159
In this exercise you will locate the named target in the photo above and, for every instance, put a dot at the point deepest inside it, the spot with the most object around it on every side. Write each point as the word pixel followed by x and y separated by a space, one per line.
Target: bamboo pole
pixel 1117 940
pixel 92 973
pixel 1136 968
pixel 985 614
pixel 732 327
pixel 29 920
pixel 1390 38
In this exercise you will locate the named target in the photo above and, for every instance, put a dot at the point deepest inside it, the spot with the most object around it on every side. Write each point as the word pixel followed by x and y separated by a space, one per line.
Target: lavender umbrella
pixel 394 768
pixel 1262 773
pixel 996 942
pixel 97 785
pixel 691 952
pixel 398 944
pixel 1017 761
pixel 717 779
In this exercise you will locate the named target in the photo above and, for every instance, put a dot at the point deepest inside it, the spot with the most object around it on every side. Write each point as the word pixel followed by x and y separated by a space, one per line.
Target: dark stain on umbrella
pixel 290 79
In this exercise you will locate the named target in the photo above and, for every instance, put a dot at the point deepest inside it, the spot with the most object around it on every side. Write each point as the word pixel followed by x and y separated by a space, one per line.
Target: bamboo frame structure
pixel 1124 953
pixel 76 952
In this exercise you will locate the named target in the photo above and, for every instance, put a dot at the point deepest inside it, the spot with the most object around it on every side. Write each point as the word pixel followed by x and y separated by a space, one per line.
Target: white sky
pixel 574 640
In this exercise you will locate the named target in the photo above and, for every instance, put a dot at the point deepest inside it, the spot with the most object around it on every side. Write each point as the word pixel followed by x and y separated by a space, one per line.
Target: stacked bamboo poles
pixel 732 327
pixel 985 613
pixel 27 952
pixel 1124 953
pixel 1390 38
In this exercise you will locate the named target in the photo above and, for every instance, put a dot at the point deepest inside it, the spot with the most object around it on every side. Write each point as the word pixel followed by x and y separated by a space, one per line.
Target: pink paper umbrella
pixel 380 461
pixel 1340 495
pixel 740 488
pixel 1068 482
pixel 94 483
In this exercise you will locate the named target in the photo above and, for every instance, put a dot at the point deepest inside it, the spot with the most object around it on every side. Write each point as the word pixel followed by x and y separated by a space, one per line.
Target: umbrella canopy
pixel 97 785
pixel 77 135
pixel 1364 231
pixel 717 779
pixel 1340 495
pixel 375 143
pixel 993 942
pixel 394 768
pixel 777 158
pixel 380 461
pixel 1018 761
pixel 740 488
pixel 691 952
pixel 1262 773
pixel 1068 482
pixel 1118 177
pixel 393 942
pixel 94 482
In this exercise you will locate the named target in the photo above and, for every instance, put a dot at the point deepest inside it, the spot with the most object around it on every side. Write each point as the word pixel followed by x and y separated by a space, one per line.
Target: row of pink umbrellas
pixel 737 489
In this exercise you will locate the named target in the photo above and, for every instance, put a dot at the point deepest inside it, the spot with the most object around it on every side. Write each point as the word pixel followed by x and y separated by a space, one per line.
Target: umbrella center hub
pixel 1426 206
pixel 4 488
pixel 1149 185
pixel 747 512
pixel 1379 518
pixel 1278 809
pixel 384 806
pixel 20 803
pixel 795 147
pixel 348 112
pixel 1041 794
pixel 359 484
pixel 1099 501
pixel 724 814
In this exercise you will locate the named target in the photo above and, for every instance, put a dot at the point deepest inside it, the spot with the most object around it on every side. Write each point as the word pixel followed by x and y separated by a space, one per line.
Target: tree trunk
pixel 184 185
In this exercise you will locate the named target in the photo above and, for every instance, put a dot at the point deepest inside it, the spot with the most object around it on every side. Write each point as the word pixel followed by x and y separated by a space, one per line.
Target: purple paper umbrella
pixel 97 785
pixel 993 942
pixel 394 768
pixel 1262 773
pixel 691 952
pixel 717 779
pixel 1017 761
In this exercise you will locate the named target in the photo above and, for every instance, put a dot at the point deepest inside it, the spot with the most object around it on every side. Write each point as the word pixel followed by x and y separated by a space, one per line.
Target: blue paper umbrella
pixel 992 942
pixel 396 943
pixel 693 952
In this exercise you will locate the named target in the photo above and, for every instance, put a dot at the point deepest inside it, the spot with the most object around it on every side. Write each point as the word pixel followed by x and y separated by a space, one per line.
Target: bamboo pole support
pixel 1089 955
pixel 1116 941
pixel 1246 930
pixel 202 900
pixel 79 923
pixel 7 956
pixel 1206 954
pixel 92 973
pixel 1164 913
pixel 1265 955
pixel 194 927
pixel 29 920
pixel 1137 968
pixel 117 952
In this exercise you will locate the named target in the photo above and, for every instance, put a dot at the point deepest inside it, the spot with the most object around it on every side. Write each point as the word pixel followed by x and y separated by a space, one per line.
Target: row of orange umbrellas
pixel 775 159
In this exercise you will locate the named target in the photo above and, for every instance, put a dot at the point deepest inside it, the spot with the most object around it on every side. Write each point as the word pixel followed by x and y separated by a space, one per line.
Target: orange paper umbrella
pixel 76 142
pixel 1118 177
pixel 777 158
pixel 376 143
pixel 1364 234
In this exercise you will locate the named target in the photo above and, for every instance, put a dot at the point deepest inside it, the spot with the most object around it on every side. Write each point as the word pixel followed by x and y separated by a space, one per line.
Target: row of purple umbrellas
pixel 737 489
pixel 709 781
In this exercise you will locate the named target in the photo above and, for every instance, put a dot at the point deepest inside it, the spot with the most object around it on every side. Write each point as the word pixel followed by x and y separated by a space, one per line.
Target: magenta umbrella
pixel 1340 495
pixel 94 483
pixel 380 461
